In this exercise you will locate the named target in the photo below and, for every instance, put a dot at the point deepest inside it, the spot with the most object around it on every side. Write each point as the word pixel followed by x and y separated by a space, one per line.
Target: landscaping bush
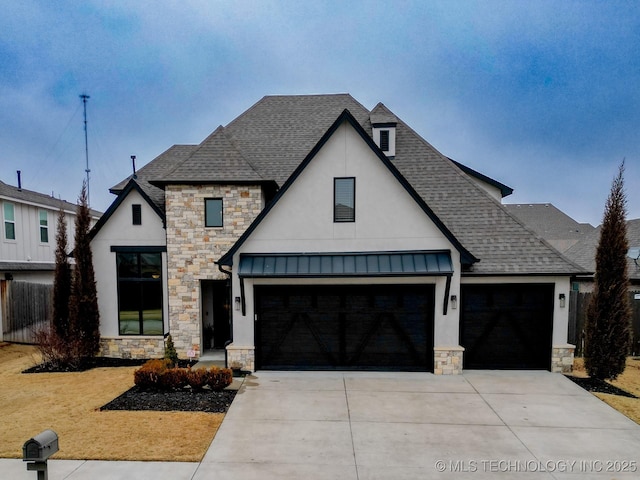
pixel 170 352
pixel 160 375
pixel 148 376
pixel 197 378
pixel 219 378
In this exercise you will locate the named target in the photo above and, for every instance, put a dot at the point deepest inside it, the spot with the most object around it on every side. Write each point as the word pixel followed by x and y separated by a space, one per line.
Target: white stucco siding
pixel 387 219
pixel 119 231
pixel 562 285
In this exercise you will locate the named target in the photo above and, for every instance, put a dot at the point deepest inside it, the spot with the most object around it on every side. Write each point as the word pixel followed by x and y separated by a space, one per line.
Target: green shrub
pixel 170 351
pixel 219 378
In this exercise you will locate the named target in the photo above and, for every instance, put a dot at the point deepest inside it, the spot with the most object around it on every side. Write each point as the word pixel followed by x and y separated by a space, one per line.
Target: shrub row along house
pixel 312 233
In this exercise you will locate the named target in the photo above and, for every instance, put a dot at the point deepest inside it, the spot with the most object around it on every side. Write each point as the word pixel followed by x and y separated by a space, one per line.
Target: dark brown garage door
pixel 376 327
pixel 507 326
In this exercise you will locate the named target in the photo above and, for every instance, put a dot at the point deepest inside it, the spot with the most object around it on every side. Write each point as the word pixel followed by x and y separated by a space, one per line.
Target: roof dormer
pixel 383 124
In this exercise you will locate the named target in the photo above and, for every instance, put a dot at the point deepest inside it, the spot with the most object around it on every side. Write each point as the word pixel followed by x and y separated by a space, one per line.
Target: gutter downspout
pixel 230 341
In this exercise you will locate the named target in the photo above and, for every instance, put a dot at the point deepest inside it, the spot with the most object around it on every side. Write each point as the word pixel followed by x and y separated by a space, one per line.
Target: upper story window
pixel 136 214
pixel 344 199
pixel 9 221
pixel 213 212
pixel 44 226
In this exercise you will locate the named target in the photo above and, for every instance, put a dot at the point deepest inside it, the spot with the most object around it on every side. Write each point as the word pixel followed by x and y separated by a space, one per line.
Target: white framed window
pixel 8 213
pixel 44 226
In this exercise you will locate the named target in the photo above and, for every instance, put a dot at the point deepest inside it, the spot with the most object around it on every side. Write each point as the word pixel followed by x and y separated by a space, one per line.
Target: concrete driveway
pixel 319 425
pixel 324 425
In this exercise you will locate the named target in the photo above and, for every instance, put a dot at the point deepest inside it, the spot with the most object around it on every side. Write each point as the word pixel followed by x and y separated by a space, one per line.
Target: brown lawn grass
pixel 69 404
pixel 629 381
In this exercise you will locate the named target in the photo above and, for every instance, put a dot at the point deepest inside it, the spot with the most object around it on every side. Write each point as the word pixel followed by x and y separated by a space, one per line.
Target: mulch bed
pixel 137 398
pixel 599 386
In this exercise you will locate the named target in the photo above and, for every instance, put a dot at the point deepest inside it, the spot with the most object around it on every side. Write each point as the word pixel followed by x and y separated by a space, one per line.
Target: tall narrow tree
pixel 61 280
pixel 84 316
pixel 608 328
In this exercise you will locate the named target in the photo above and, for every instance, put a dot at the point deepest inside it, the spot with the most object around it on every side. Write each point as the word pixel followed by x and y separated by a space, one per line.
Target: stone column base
pixel 244 356
pixel 138 347
pixel 562 358
pixel 447 360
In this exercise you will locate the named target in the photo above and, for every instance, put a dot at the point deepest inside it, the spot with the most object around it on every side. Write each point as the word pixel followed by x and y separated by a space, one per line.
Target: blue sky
pixel 542 96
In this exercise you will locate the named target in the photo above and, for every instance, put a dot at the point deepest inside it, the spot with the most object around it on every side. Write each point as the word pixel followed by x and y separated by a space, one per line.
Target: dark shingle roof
pixel 584 252
pixel 29 196
pixel 555 226
pixel 269 140
pixel 160 165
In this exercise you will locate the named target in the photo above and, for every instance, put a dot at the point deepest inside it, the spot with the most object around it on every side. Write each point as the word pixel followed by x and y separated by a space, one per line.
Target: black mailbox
pixel 40 447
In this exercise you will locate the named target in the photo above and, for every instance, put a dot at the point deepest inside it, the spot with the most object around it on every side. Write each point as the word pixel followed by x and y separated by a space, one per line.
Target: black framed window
pixel 136 214
pixel 140 293
pixel 384 140
pixel 344 199
pixel 213 212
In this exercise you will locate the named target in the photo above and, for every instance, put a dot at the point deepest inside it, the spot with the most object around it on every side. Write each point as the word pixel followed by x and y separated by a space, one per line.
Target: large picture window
pixel 140 293
pixel 344 199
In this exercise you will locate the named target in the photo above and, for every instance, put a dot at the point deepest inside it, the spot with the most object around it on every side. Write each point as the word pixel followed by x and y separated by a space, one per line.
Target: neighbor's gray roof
pixel 584 252
pixel 555 226
pixel 29 196
pixel 270 139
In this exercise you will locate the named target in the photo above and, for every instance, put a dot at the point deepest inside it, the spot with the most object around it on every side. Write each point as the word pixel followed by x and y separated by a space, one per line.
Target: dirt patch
pixel 599 386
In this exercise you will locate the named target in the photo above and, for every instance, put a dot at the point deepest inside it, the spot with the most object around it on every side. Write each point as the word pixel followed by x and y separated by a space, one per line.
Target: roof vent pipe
pixel 133 162
pixel 19 181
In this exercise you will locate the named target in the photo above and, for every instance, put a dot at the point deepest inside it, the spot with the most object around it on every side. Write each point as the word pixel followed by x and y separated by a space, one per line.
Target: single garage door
pixel 376 327
pixel 507 326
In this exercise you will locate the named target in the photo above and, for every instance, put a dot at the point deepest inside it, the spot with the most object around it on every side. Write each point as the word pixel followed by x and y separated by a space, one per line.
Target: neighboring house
pixel 584 253
pixel 555 226
pixel 312 233
pixel 28 239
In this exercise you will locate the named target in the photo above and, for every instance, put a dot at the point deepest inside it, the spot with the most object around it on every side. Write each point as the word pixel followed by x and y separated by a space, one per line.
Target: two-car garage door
pixel 345 327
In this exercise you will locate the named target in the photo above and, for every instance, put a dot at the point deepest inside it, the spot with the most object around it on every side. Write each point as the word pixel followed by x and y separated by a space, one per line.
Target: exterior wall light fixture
pixel 237 303
pixel 454 302
pixel 563 300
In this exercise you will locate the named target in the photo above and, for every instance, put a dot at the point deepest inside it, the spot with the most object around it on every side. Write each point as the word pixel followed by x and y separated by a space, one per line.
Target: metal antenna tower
pixel 84 98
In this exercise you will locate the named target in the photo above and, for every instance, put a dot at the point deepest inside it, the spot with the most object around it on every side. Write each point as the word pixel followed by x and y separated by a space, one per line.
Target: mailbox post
pixel 37 450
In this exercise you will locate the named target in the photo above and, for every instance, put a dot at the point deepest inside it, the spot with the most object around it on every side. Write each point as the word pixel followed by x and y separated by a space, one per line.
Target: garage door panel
pixel 345 327
pixel 507 326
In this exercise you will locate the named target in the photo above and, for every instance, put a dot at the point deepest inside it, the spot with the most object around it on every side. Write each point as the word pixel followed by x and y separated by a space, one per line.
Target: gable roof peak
pixel 382 115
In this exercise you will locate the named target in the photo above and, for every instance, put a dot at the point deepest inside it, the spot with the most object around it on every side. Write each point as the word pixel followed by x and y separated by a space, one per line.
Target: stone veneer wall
pixel 562 358
pixel 244 356
pixel 447 360
pixel 132 347
pixel 193 248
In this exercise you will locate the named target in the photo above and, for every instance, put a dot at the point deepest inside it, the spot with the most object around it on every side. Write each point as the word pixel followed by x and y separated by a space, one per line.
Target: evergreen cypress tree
pixel 84 317
pixel 61 280
pixel 608 326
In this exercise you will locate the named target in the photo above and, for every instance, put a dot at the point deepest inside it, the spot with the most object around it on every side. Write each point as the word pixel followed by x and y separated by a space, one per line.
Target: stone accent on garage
pixel 193 249
pixel 241 355
pixel 447 360
pixel 562 358
pixel 141 347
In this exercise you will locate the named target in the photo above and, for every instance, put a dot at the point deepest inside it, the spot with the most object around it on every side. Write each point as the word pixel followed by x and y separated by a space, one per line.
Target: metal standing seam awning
pixel 340 265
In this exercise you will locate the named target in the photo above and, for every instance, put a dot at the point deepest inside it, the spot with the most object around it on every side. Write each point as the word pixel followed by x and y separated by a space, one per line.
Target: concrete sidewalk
pixel 372 425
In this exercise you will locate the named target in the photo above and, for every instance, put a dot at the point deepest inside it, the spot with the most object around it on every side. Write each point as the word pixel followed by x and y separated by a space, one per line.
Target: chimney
pixel 19 182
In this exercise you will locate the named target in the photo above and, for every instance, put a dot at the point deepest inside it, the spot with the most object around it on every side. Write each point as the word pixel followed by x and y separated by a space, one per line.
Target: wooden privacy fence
pixel 578 304
pixel 26 307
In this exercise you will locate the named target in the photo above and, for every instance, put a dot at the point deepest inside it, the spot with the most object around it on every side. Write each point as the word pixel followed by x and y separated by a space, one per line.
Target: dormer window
pixel 383 123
